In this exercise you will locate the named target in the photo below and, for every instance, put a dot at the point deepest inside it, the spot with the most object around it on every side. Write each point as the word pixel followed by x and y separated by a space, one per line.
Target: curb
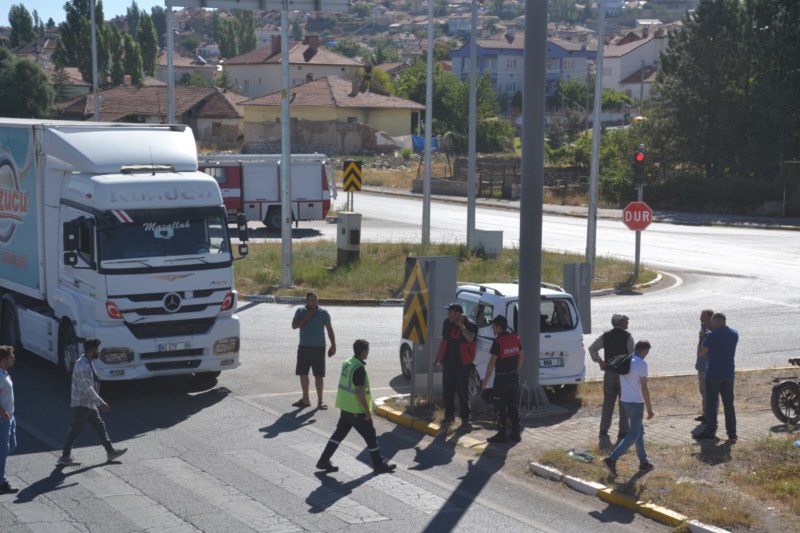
pixel 612 496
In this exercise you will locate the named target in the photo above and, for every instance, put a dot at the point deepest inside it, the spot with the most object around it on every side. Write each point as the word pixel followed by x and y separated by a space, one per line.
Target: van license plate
pixel 551 362
pixel 174 346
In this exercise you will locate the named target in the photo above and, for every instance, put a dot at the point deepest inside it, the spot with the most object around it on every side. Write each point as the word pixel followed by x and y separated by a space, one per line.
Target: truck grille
pixel 173 365
pixel 179 328
pixel 193 352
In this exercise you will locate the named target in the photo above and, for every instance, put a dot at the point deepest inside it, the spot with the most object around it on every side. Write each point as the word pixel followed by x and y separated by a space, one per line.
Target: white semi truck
pixel 110 231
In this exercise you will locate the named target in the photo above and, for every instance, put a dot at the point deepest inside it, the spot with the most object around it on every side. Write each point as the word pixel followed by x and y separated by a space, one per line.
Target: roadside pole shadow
pixel 478 474
pixel 713 453
pixel 613 514
pixel 288 422
pixel 331 490
pixel 440 451
pixel 51 483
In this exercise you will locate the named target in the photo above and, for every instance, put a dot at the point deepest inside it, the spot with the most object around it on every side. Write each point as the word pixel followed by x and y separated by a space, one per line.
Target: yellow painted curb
pixel 420 425
pixel 612 496
pixel 401 418
pixel 383 411
pixel 662 514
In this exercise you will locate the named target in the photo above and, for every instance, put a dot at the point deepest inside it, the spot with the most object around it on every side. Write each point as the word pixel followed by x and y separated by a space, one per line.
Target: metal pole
pixel 591 233
pixel 532 197
pixel 640 197
pixel 426 182
pixel 641 85
pixel 286 157
pixel 170 68
pixel 96 97
pixel 473 127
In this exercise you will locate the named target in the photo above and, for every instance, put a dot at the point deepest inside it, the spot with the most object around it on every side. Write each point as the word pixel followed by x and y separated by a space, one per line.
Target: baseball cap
pixel 501 321
pixel 455 307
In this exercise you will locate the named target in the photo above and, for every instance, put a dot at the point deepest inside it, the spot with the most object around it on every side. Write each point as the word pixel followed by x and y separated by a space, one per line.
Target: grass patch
pixel 381 270
pixel 771 471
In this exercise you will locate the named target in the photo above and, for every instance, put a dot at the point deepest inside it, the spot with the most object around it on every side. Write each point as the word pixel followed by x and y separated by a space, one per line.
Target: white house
pixel 631 66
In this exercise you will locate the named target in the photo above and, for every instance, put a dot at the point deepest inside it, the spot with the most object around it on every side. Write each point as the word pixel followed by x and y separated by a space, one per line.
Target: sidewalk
pixel 669 217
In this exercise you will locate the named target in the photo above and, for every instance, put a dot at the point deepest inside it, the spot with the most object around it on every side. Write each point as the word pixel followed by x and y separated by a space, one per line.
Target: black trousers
pixel 455 382
pixel 348 421
pixel 82 416
pixel 505 394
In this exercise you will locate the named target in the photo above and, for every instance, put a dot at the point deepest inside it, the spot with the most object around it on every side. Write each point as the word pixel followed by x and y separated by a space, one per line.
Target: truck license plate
pixel 551 362
pixel 173 346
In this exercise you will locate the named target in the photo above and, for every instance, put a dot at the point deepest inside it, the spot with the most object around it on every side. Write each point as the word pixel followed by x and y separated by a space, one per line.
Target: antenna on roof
pixel 152 164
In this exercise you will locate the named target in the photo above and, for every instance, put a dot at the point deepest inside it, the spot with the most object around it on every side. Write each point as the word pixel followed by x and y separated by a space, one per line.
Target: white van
pixel 561 352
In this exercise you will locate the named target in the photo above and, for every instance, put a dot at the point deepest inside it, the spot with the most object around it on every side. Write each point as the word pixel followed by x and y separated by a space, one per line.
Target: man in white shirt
pixel 8 431
pixel 85 402
pixel 635 398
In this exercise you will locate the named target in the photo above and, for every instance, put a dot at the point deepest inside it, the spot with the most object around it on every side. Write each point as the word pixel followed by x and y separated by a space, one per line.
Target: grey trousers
pixel 611 395
pixel 701 379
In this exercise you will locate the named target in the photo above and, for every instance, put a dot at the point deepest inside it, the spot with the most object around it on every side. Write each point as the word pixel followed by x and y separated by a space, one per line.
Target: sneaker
pixel 116 453
pixel 497 438
pixel 6 488
pixel 611 464
pixel 384 467
pixel 646 467
pixel 705 437
pixel 515 437
pixel 733 439
pixel 327 466
pixel 466 427
pixel 700 418
pixel 67 461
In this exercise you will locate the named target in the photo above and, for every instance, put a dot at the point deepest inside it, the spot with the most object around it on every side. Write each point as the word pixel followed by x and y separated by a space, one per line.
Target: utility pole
pixel 95 96
pixel 426 182
pixel 473 127
pixel 591 233
pixel 641 85
pixel 286 154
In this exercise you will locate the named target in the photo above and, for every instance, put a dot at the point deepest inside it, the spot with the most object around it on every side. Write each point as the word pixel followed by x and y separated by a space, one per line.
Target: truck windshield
pixel 140 235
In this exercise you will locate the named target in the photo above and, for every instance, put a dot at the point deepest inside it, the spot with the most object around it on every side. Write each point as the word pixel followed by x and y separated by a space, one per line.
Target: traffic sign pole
pixel 640 198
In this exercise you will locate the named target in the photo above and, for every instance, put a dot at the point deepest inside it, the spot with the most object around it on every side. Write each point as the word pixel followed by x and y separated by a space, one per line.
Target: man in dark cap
pixel 507 358
pixel 457 353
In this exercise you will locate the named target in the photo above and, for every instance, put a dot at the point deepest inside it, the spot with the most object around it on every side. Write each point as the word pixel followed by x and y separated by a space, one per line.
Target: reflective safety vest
pixel 346 397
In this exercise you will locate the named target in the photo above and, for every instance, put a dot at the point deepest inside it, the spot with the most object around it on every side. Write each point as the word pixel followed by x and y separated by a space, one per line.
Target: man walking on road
pixel 355 401
pixel 457 352
pixel 312 321
pixel 506 358
pixel 85 402
pixel 636 398
pixel 614 342
pixel 719 349
pixel 700 363
pixel 8 425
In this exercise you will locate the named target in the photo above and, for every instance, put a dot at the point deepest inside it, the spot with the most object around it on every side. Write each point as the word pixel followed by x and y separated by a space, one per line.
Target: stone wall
pixel 329 137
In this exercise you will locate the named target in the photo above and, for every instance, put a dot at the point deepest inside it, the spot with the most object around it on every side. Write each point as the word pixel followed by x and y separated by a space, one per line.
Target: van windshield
pixel 151 234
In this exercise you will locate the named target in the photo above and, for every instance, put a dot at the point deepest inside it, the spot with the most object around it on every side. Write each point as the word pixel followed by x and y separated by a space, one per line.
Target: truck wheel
pixel 9 327
pixel 406 360
pixel 274 219
pixel 68 350
pixel 208 376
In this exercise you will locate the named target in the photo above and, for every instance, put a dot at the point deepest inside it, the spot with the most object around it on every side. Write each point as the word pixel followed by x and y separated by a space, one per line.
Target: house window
pixel 568 64
pixel 246 87
pixel 511 63
pixel 216 129
pixel 606 72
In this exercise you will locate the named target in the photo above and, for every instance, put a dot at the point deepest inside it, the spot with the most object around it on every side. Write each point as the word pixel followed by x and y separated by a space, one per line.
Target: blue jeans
pixel 635 412
pixel 716 388
pixel 8 441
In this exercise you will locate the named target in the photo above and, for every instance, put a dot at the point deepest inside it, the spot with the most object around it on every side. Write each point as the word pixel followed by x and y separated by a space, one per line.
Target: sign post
pixel 637 216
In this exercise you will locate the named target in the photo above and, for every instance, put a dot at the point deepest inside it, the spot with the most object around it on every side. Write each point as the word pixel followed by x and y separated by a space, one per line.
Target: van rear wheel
pixel 274 219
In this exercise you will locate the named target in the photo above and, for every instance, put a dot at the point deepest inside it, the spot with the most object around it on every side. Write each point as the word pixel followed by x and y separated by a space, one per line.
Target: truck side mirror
pixel 70 259
pixel 243 250
pixel 70 243
pixel 241 223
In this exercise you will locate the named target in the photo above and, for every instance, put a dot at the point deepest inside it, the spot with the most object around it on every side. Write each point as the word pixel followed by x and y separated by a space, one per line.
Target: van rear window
pixel 555 314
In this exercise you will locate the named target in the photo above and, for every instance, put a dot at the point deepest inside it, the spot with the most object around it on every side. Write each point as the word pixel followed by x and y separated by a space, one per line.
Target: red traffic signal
pixel 639 157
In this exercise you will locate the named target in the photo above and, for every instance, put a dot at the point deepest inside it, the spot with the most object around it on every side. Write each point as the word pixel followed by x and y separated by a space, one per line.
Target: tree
pixel 21 26
pixel 245 30
pixel 148 44
pixel 133 60
pixel 74 49
pixel 571 93
pixel 51 24
pixel 117 52
pixel 133 18
pixel 226 38
pixel 25 91
pixel 38 25
pixel 193 79
pixel 441 50
pixel 297 31
pixel 347 47
pixel 159 16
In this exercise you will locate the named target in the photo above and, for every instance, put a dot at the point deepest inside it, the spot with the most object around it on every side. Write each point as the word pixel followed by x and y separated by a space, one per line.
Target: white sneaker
pixel 67 461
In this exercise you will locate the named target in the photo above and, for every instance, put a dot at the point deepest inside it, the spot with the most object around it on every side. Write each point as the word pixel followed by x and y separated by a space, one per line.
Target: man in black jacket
pixel 616 341
pixel 456 353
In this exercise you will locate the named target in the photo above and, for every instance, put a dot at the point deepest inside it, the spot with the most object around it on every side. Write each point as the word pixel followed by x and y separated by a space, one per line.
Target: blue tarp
pixel 418 143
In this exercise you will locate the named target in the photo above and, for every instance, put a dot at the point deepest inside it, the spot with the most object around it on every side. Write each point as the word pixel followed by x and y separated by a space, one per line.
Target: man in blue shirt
pixel 8 431
pixel 719 349
pixel 312 321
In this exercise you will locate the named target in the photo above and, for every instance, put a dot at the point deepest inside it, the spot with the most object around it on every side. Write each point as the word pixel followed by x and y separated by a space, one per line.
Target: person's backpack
pixel 620 364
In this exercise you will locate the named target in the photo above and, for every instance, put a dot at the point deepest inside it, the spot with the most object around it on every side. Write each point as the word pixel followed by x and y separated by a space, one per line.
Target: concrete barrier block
pixel 662 514
pixel 582 485
pixel 402 419
pixel 547 472
pixel 612 496
pixel 696 526
pixel 428 428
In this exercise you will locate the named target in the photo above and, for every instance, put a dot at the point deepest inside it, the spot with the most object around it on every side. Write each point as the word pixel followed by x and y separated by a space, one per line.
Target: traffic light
pixel 639 158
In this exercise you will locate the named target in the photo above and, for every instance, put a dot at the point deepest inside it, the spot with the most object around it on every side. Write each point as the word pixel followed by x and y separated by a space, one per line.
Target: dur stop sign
pixel 637 216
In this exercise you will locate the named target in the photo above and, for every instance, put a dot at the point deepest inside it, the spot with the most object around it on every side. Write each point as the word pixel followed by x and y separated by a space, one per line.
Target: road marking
pixel 221 495
pixel 399 390
pixel 309 489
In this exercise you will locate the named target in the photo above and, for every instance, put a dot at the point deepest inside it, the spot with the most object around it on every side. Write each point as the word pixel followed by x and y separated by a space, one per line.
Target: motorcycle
pixel 785 399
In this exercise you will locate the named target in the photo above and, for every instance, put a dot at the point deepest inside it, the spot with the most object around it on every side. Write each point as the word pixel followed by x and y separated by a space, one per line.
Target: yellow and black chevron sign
pixel 352 176
pixel 415 306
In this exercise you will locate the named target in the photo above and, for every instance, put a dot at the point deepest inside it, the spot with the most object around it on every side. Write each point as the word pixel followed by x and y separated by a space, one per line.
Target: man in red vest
pixel 457 353
pixel 507 358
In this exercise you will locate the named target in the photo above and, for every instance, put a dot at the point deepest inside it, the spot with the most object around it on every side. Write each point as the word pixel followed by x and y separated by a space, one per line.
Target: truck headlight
pixel 226 345
pixel 116 356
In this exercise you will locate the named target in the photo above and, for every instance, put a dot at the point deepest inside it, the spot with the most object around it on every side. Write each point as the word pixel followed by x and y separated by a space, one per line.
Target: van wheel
pixel 406 360
pixel 274 219
pixel 475 386
pixel 9 327
pixel 68 350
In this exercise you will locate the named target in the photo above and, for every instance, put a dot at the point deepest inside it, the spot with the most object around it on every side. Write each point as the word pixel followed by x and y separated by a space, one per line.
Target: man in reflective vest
pixel 355 402
pixel 507 358
pixel 456 353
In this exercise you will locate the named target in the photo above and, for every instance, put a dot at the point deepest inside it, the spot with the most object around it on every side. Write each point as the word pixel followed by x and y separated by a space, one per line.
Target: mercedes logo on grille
pixel 172 302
